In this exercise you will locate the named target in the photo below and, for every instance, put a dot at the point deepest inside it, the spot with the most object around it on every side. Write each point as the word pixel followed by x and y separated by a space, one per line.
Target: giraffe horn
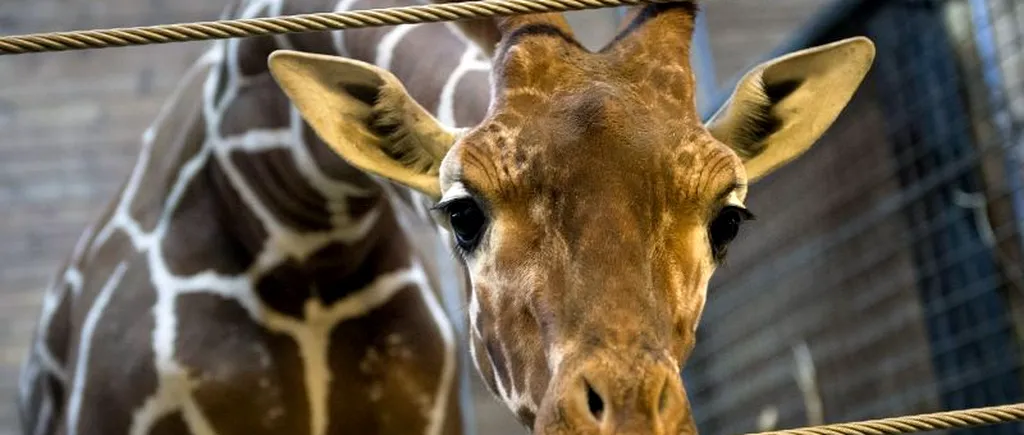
pixel 529 43
pixel 663 28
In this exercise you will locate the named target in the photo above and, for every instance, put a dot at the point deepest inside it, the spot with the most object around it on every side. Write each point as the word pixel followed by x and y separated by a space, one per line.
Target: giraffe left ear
pixel 366 116
pixel 783 106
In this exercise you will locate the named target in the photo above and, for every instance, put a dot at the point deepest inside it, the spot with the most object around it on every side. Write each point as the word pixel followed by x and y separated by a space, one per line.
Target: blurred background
pixel 884 277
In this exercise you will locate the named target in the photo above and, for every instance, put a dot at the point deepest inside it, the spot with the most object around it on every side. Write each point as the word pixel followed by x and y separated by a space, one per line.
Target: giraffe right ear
pixel 366 116
pixel 781 107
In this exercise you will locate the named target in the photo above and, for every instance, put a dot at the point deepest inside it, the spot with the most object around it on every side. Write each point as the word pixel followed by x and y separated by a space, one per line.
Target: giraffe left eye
pixel 467 221
pixel 725 227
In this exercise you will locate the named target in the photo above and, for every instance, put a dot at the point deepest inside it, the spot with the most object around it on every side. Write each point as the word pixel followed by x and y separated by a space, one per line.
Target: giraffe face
pixel 592 205
pixel 590 246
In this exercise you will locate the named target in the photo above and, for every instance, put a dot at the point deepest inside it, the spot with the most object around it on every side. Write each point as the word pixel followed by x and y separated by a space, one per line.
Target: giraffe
pixel 591 205
pixel 278 260
pixel 247 280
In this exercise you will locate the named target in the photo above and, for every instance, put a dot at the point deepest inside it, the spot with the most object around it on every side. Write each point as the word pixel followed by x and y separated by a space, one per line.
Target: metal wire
pixel 915 423
pixel 241 28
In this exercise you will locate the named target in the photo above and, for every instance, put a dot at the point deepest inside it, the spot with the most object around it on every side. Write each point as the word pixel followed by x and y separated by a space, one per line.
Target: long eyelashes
pixel 467 221
pixel 725 227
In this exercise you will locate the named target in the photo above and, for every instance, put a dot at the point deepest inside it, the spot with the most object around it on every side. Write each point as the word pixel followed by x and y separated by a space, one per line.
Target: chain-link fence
pixel 886 275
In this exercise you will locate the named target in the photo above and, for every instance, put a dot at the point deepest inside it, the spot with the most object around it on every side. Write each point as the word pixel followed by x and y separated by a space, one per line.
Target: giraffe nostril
pixel 594 402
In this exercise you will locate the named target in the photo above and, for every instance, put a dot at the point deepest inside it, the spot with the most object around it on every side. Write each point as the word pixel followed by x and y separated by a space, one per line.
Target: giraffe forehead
pixel 592 147
pixel 607 136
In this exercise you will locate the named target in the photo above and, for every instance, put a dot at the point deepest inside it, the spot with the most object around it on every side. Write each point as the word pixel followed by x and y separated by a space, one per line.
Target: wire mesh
pixel 888 280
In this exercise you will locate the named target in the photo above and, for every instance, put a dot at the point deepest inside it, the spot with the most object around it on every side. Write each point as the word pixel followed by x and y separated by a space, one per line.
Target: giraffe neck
pixel 234 197
pixel 283 193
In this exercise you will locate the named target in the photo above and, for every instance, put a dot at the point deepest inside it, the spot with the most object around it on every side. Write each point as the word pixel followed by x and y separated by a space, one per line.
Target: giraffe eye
pixel 725 227
pixel 467 221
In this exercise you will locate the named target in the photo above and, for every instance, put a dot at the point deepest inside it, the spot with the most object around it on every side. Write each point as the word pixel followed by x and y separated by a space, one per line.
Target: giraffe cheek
pixel 693 306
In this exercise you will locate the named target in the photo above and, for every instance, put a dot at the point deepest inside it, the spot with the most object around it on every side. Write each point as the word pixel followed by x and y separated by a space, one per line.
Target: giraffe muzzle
pixel 617 398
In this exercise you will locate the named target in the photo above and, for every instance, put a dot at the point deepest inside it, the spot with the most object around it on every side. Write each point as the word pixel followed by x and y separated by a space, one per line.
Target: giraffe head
pixel 591 205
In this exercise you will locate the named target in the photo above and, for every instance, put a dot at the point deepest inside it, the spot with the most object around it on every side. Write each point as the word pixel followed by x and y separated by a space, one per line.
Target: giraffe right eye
pixel 724 228
pixel 467 221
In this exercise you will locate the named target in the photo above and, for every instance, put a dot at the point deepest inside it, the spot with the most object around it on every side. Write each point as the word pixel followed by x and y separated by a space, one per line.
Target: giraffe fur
pixel 206 152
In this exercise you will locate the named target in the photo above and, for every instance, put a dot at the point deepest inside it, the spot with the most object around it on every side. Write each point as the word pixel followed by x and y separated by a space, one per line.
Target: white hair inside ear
pixel 782 107
pixel 366 116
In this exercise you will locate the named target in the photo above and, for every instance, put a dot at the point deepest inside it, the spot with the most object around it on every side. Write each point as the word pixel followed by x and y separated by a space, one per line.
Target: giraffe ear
pixel 366 116
pixel 783 106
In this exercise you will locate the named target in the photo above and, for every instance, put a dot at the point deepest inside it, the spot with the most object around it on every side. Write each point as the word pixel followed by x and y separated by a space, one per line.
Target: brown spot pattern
pixel 286 288
pixel 57 334
pixel 41 388
pixel 104 261
pixel 426 88
pixel 174 142
pixel 206 234
pixel 386 384
pixel 113 387
pixel 274 108
pixel 252 54
pixel 171 424
pixel 249 380
pixel 337 270
pixel 335 167
pixel 221 78
pixel 281 188
pixel 241 221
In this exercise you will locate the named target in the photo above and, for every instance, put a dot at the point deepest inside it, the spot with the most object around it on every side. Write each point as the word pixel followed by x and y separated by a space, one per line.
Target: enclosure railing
pixel 326 21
